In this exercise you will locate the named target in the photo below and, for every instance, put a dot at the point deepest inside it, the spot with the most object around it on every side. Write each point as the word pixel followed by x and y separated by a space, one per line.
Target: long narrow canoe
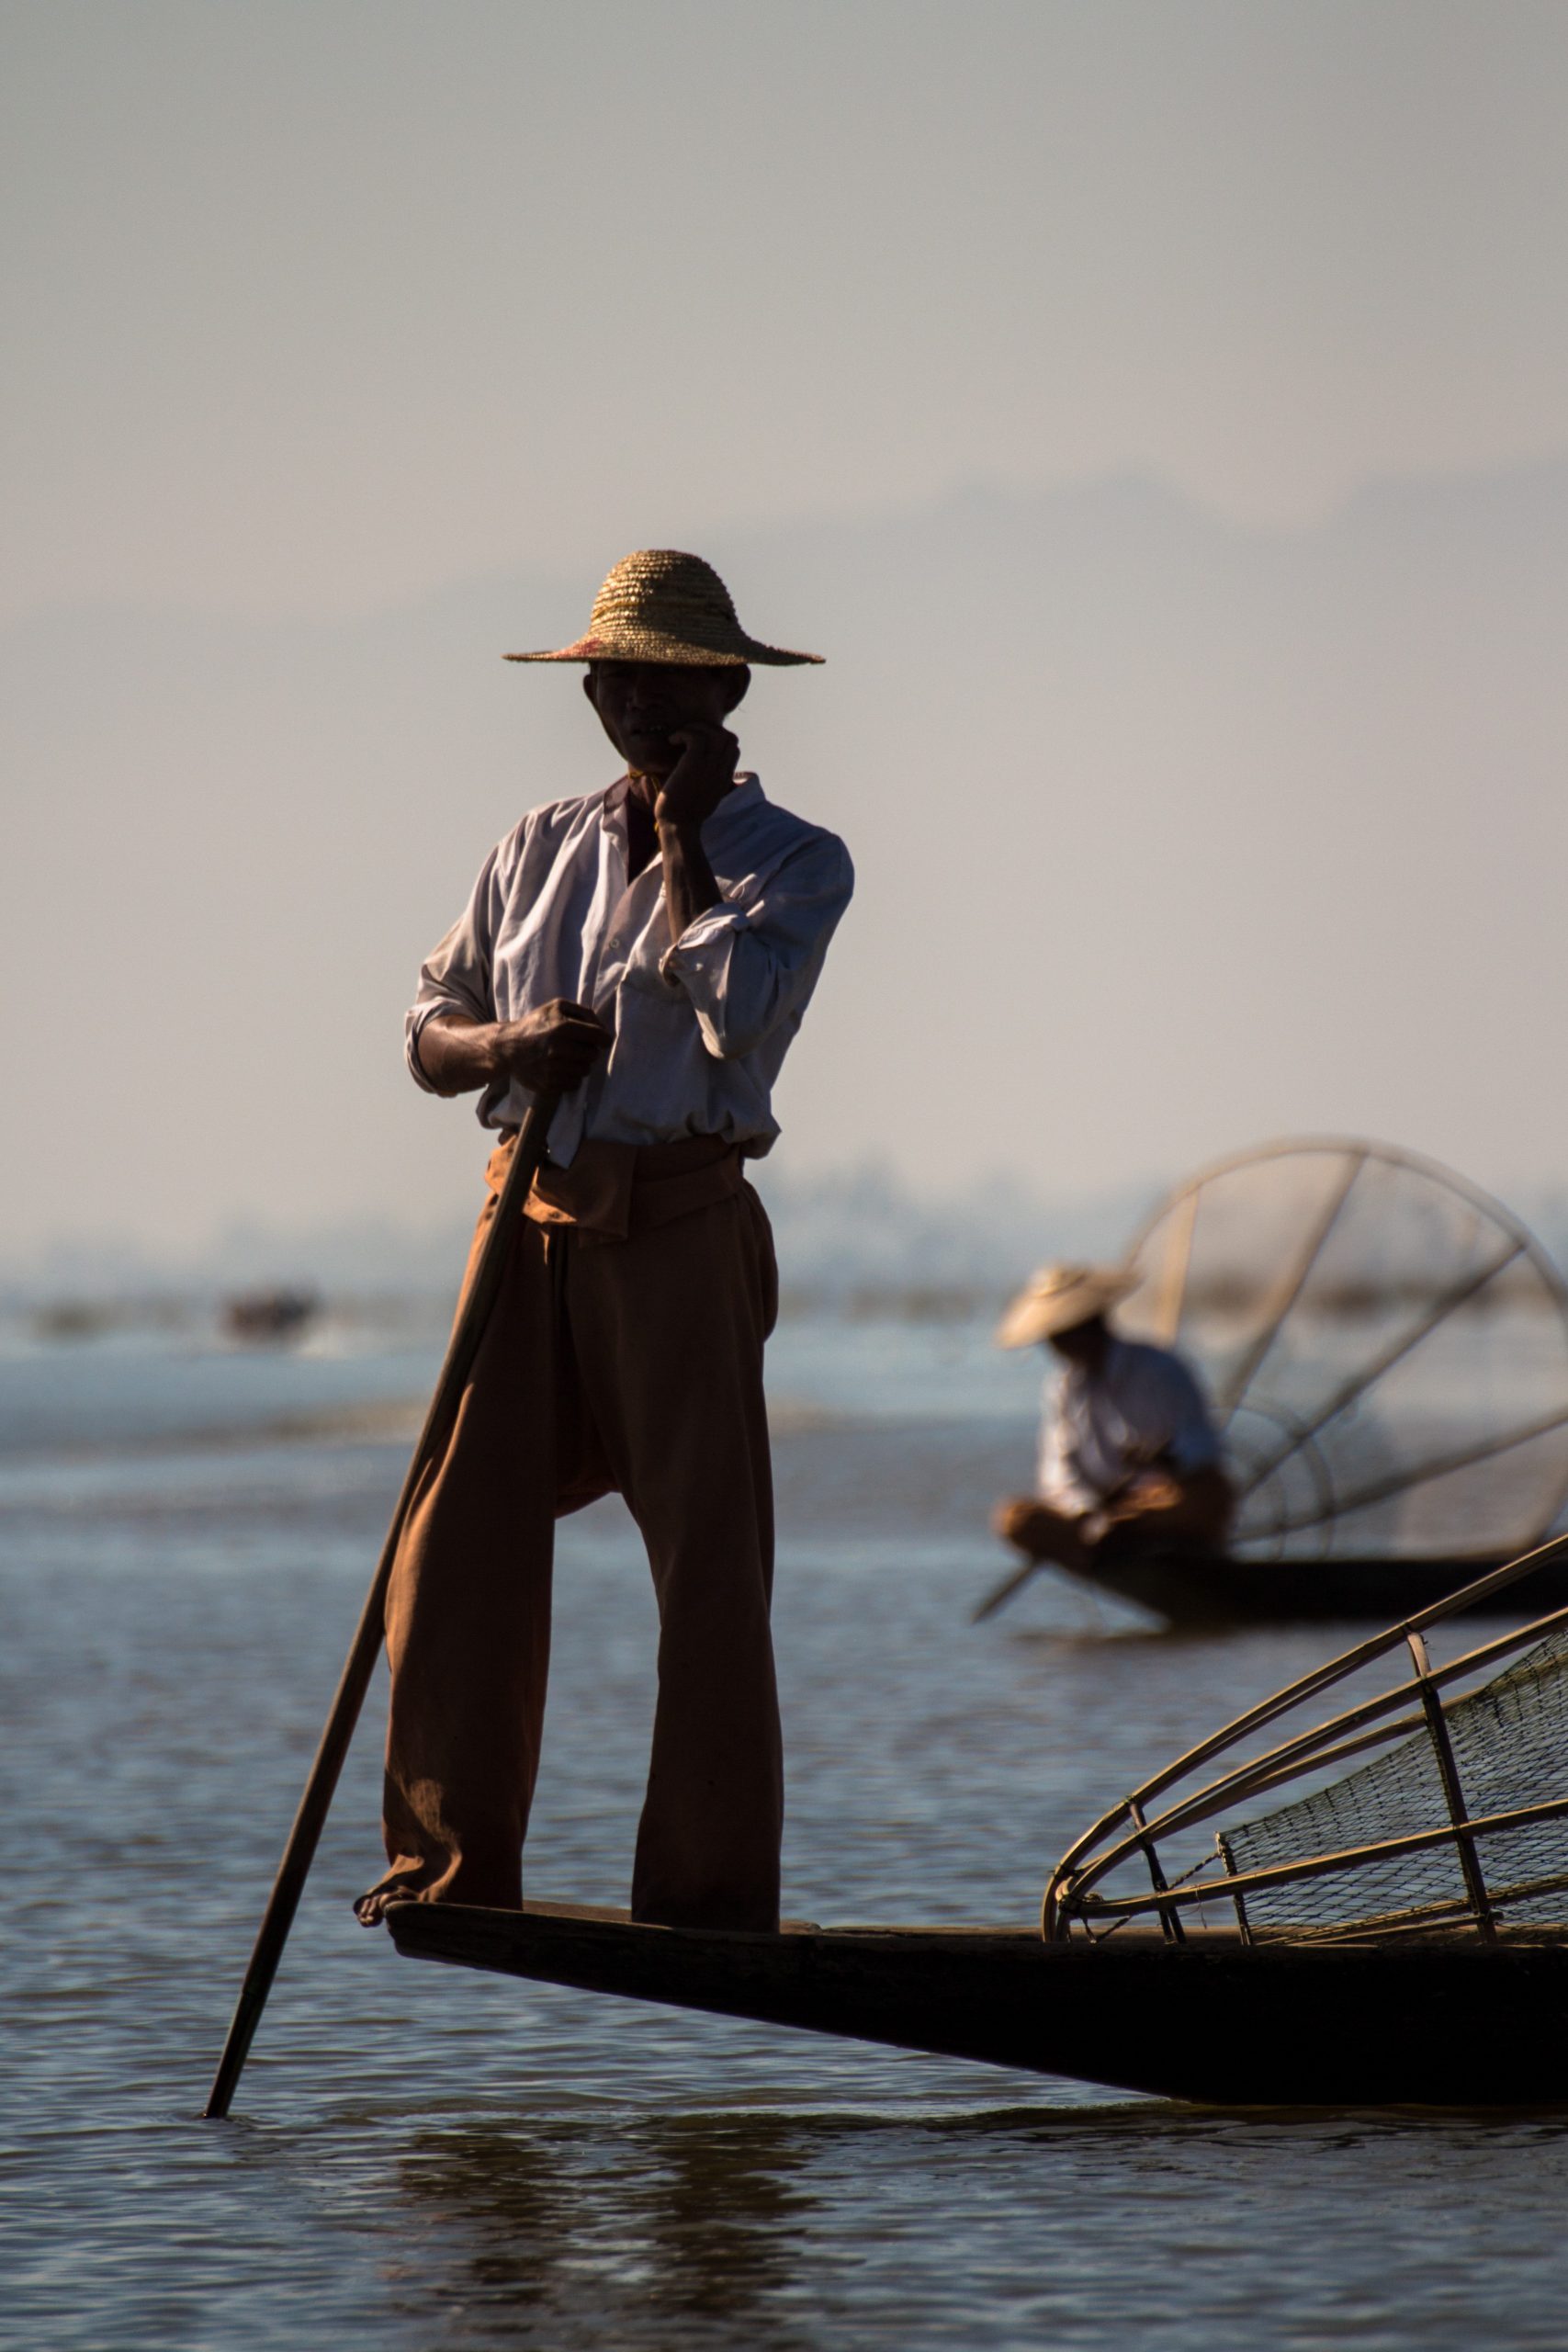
pixel 1450 2023
pixel 1251 1593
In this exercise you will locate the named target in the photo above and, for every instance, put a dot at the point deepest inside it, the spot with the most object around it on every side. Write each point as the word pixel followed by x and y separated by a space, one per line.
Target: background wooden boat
pixel 1190 1592
pixel 1436 2021
pixel 1386 1351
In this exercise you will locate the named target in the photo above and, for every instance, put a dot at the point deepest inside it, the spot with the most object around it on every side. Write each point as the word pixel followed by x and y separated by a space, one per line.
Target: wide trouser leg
pixel 668 1328
pixel 469 1613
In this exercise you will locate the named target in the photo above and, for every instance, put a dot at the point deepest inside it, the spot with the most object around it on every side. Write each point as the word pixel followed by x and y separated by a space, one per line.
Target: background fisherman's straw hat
pixel 1058 1297
pixel 660 605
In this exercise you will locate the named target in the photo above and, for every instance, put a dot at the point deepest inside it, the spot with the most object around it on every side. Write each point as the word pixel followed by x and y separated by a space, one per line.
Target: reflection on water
pixel 997 2225
pixel 426 2157
pixel 692 2217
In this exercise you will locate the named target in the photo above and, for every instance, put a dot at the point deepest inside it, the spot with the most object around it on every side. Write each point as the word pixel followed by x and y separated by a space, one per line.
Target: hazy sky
pixel 317 311
pixel 312 306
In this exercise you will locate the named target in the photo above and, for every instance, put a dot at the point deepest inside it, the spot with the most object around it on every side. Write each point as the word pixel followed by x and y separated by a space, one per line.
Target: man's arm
pixel 746 978
pixel 551 1049
pixel 691 887
pixel 687 797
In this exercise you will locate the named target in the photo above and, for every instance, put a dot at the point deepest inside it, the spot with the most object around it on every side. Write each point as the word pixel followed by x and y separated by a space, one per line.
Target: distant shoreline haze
pixel 858 1229
pixel 855 1238
pixel 1259 831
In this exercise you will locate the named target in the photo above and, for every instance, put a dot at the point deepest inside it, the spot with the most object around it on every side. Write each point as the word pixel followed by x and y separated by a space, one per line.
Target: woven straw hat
pixel 660 605
pixel 1058 1298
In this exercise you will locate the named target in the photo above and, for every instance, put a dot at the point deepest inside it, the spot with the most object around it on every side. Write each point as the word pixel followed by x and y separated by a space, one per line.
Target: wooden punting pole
pixel 366 1649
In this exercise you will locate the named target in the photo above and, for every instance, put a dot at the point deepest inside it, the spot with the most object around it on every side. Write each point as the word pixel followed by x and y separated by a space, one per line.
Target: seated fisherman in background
pixel 1130 1460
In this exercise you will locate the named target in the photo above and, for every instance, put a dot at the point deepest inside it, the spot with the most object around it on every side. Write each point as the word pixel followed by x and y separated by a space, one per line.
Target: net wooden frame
pixel 1421 1706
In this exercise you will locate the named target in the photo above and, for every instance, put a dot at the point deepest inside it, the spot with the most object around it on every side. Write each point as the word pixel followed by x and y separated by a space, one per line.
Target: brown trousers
pixel 634 1364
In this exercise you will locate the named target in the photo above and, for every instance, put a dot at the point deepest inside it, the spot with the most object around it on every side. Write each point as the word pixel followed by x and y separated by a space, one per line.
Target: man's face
pixel 642 704
pixel 1086 1344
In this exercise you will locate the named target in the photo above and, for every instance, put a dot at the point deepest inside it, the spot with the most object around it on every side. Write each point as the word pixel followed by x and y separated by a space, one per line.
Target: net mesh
pixel 1509 1741
pixel 1386 1350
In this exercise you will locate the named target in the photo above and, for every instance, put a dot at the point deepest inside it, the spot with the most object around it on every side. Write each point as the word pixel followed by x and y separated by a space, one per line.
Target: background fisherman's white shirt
pixel 699 1028
pixel 1100 1430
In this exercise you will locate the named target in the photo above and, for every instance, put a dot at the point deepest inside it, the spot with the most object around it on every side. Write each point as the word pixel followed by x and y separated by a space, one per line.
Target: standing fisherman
pixel 648 950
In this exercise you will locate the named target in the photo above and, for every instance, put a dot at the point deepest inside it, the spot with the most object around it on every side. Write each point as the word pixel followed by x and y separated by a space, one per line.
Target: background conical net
pixel 1387 1350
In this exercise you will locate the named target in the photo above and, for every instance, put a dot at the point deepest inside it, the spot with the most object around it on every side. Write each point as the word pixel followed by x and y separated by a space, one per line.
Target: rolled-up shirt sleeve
pixel 454 979
pixel 748 965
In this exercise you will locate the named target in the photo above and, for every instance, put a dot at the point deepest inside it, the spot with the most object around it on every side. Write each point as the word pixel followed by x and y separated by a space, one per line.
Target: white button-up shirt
pixel 699 1027
pixel 1101 1428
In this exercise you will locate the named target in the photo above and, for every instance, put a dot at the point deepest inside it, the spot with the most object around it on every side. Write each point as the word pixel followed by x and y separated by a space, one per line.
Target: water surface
pixel 429 2158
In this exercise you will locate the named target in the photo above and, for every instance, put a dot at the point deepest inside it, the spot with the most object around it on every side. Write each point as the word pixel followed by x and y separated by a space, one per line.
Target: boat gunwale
pixel 1191 2021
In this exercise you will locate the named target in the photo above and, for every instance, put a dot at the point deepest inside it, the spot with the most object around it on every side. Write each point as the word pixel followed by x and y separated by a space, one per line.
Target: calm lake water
pixel 425 2157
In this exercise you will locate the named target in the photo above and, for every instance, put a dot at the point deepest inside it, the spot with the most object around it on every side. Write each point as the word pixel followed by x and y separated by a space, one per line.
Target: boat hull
pixel 1252 1592
pixel 1451 2023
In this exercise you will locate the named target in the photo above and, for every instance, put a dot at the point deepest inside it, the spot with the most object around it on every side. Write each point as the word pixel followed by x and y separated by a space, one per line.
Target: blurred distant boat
pixel 268 1317
pixel 74 1318
pixel 113 1317
pixel 1387 1350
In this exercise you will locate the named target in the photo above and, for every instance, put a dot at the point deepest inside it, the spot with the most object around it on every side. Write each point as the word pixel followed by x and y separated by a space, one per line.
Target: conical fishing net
pixel 1386 1347
pixel 1509 1746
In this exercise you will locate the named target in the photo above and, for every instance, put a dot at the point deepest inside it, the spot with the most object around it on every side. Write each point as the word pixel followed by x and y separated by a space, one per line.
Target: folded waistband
pixel 612 1190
